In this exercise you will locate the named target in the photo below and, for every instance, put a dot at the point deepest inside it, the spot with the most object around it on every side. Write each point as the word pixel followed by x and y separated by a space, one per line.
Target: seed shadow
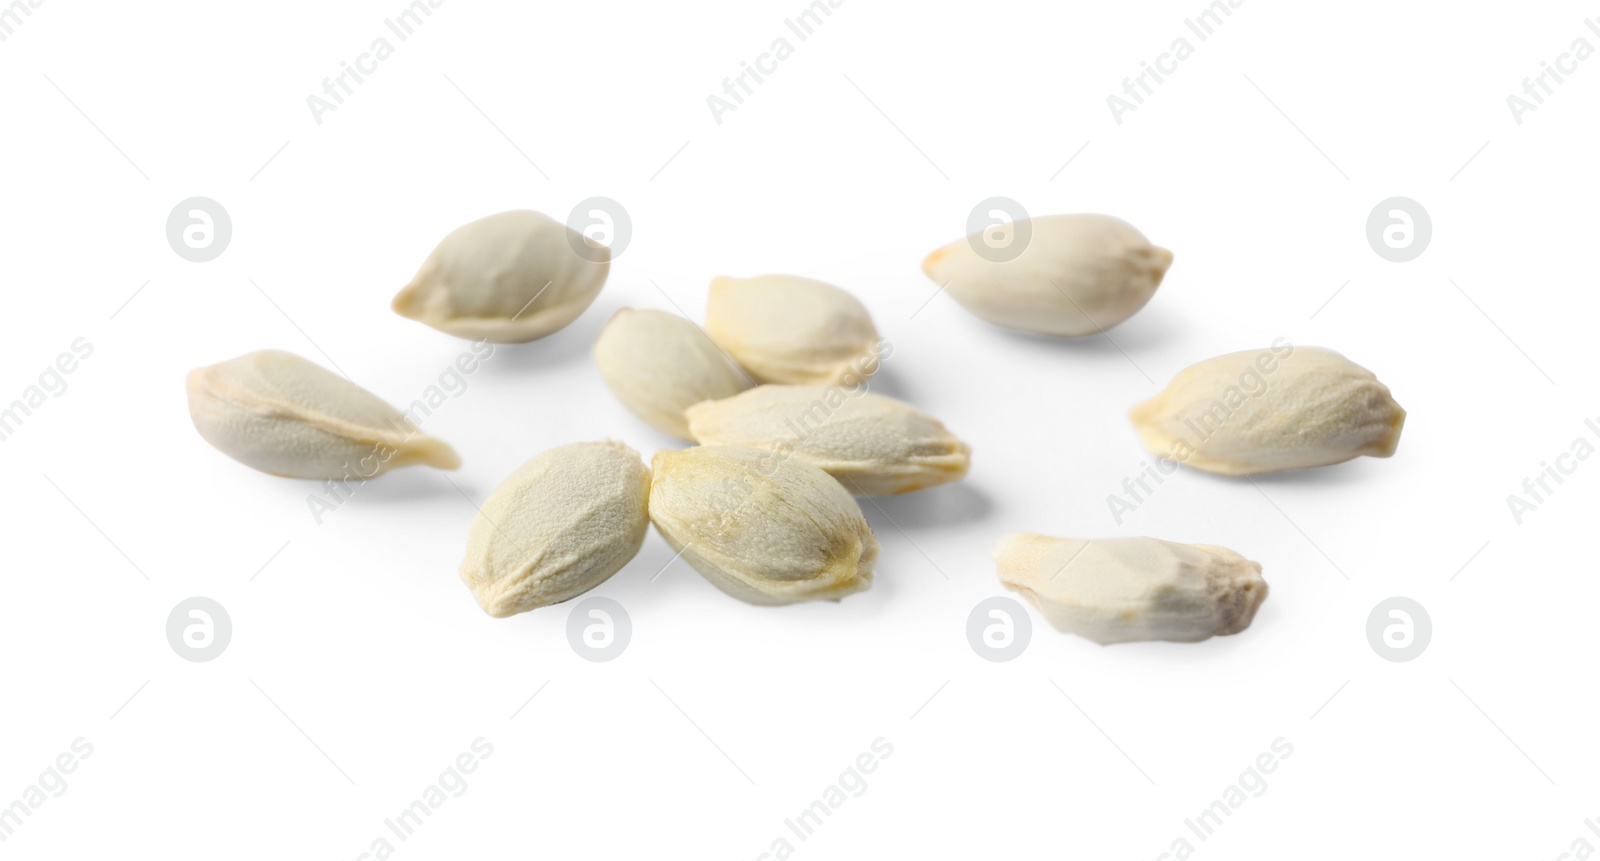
pixel 1337 475
pixel 562 347
pixel 934 507
pixel 1149 328
pixel 647 578
pixel 890 384
pixel 1214 651
pixel 901 560
pixel 402 486
pixel 646 439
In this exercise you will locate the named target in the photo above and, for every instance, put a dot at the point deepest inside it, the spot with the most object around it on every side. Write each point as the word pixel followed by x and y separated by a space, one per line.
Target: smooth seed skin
pixel 560 525
pixel 874 445
pixel 508 278
pixel 659 364
pixel 1119 590
pixel 1260 411
pixel 281 414
pixel 1078 275
pixel 785 329
pixel 764 530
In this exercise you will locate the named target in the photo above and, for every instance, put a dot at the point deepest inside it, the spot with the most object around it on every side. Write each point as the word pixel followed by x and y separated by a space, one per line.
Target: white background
pixel 360 667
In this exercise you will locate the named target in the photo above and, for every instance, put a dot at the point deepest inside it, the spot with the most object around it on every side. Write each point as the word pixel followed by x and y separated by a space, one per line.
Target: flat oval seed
pixel 872 444
pixel 507 278
pixel 1078 274
pixel 281 414
pixel 659 364
pixel 1257 411
pixel 559 526
pixel 764 530
pixel 1117 590
pixel 784 329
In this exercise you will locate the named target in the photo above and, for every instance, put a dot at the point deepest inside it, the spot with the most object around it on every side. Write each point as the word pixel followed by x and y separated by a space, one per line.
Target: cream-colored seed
pixel 1117 590
pixel 659 364
pixel 281 414
pixel 872 444
pixel 1257 411
pixel 784 329
pixel 559 526
pixel 1077 275
pixel 763 529
pixel 508 278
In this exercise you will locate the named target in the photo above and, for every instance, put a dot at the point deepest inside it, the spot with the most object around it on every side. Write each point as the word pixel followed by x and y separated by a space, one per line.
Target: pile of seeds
pixel 767 514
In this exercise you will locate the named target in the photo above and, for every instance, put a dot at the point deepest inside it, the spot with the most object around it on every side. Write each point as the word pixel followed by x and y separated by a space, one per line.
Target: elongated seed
pixel 507 278
pixel 871 443
pixel 1283 407
pixel 763 529
pixel 784 329
pixel 660 364
pixel 1116 590
pixel 560 525
pixel 1076 275
pixel 281 414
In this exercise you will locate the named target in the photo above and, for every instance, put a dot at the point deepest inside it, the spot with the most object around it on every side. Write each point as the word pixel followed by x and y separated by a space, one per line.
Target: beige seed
pixel 281 414
pixel 1257 411
pixel 1077 274
pixel 508 278
pixel 784 329
pixel 659 364
pixel 762 529
pixel 872 444
pixel 559 526
pixel 1117 590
